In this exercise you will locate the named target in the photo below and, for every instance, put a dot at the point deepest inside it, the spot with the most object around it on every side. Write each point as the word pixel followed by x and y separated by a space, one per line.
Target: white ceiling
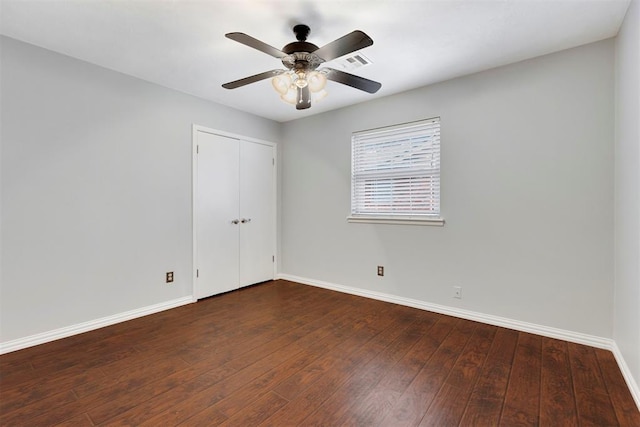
pixel 180 44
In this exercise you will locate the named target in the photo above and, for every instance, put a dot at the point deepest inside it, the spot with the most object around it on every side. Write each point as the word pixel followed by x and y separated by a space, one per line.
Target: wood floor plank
pixel 346 336
pixel 379 401
pixel 449 404
pixel 91 353
pixel 557 401
pixel 365 343
pixel 414 402
pixel 259 411
pixel 29 410
pixel 251 332
pixel 227 324
pixel 128 386
pixel 16 374
pixel 204 418
pixel 281 353
pixel 485 404
pixel 255 389
pixel 39 388
pixel 14 398
pixel 178 389
pixel 81 420
pixel 122 402
pixel 592 399
pixel 242 362
pixel 114 371
pixel 313 330
pixel 222 390
pixel 365 378
pixel 165 402
pixel 522 401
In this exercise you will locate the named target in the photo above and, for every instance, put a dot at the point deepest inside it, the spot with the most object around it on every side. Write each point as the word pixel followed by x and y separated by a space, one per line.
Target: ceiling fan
pixel 302 80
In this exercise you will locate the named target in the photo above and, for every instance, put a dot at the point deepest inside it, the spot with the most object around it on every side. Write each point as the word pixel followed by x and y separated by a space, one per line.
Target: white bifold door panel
pixel 234 213
pixel 257 201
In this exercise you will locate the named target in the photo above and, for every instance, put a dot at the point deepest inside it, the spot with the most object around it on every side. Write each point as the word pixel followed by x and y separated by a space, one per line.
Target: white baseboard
pixel 546 331
pixel 56 334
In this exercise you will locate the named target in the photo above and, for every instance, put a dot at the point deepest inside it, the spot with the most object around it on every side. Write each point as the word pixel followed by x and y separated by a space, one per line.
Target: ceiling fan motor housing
pixel 299 46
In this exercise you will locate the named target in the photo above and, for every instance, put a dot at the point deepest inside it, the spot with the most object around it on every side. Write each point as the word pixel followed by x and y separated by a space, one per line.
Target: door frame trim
pixel 194 191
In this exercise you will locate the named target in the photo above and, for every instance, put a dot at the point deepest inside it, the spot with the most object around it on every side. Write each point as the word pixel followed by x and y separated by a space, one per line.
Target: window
pixel 395 174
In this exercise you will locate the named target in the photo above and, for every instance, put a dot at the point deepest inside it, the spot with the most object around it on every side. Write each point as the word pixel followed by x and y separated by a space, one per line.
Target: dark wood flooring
pixel 281 354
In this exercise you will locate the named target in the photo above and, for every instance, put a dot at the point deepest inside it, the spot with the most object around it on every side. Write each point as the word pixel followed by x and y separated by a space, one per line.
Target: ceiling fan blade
pixel 357 82
pixel 252 79
pixel 256 44
pixel 303 100
pixel 353 41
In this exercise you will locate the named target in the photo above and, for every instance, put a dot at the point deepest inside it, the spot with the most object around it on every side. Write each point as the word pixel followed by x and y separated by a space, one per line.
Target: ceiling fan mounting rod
pixel 301 31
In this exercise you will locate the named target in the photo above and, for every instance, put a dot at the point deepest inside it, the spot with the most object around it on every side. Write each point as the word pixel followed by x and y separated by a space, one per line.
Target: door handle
pixel 245 220
pixel 235 221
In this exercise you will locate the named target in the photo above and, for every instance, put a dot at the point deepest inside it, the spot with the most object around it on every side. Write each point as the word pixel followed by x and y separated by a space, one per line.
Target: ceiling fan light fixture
pixel 301 83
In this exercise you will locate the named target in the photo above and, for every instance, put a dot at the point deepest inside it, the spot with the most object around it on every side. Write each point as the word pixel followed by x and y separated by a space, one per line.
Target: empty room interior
pixel 320 213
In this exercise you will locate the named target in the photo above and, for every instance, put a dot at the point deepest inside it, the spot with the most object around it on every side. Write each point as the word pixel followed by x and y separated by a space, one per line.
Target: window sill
pixel 438 222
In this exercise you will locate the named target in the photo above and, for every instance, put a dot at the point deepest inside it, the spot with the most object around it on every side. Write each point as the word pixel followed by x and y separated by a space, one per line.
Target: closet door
pixel 257 212
pixel 234 213
pixel 216 214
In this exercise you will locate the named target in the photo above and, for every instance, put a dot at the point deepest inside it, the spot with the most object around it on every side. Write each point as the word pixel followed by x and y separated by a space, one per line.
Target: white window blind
pixel 396 171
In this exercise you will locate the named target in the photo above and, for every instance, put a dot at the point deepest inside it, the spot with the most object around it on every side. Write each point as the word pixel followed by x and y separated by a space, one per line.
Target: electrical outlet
pixel 457 292
pixel 380 270
pixel 169 277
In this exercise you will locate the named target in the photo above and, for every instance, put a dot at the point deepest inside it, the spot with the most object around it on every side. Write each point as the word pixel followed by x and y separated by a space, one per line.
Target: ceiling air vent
pixel 352 62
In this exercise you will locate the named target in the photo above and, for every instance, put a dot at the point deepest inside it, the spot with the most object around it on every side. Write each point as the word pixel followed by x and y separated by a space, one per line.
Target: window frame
pixel 390 217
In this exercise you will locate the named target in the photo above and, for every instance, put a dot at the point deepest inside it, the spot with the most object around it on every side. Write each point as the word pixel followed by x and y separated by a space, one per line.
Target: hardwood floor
pixel 280 354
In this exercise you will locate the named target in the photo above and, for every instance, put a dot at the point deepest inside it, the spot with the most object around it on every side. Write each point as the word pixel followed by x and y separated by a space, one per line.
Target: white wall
pixel 527 195
pixel 627 192
pixel 96 189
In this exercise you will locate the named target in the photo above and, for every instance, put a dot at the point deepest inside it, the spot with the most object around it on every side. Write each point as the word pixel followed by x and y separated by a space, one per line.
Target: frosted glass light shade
pixel 316 81
pixel 281 83
pixel 291 96
pixel 319 96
